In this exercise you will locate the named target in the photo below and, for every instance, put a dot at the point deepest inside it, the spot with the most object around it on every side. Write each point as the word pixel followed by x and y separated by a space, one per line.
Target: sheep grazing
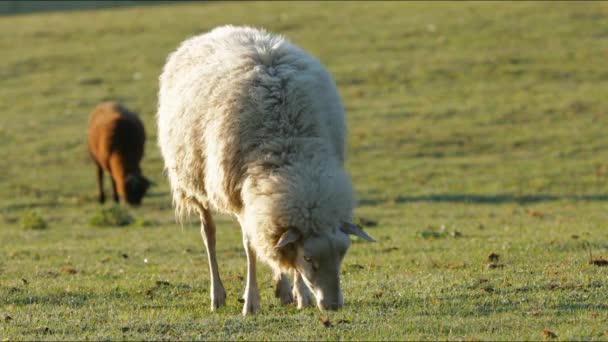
pixel 116 140
pixel 252 126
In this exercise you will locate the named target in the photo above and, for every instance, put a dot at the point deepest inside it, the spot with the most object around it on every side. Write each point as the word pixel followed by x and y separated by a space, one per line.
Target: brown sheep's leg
pixel 218 294
pixel 252 293
pixel 102 195
pixel 115 193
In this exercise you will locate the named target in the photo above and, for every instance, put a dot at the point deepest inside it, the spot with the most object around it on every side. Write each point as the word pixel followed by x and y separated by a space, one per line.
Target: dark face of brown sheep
pixel 318 259
pixel 136 187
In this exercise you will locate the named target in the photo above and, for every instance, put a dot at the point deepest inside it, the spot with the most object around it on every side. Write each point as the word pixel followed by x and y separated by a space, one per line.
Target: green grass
pixel 114 216
pixel 486 119
pixel 32 220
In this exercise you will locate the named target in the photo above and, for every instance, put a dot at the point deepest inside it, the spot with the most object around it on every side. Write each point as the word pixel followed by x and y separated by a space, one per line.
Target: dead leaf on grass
pixel 325 321
pixel 24 281
pixel 574 236
pixel 549 334
pixel 342 321
pixel 8 318
pixel 378 294
pixel 455 266
pixel 595 261
pixel 493 257
pixel 488 289
pixel 535 213
pixel 68 270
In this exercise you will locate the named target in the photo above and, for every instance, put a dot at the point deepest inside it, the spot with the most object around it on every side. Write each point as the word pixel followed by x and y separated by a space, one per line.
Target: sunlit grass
pixel 474 129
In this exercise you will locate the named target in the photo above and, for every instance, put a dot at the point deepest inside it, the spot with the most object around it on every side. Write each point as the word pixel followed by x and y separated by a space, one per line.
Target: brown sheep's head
pixel 136 187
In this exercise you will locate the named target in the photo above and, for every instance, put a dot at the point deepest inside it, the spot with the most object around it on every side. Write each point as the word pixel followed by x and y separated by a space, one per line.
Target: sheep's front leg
pixel 283 288
pixel 300 291
pixel 252 293
pixel 218 294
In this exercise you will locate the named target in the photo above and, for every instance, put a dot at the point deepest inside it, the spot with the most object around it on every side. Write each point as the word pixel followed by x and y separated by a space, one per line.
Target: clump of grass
pixel 114 216
pixel 32 220
pixel 144 223
pixel 433 233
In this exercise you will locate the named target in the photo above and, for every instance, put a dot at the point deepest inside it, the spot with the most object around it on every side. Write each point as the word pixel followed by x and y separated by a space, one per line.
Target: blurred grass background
pixel 486 118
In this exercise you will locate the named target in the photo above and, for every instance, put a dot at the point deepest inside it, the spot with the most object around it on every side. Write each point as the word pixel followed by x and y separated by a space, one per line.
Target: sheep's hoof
pixel 251 307
pixel 218 298
pixel 283 291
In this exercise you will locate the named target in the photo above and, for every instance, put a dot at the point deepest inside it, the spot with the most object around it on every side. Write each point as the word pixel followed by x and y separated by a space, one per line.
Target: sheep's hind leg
pixel 252 293
pixel 218 294
pixel 115 193
pixel 102 195
pixel 300 291
pixel 283 288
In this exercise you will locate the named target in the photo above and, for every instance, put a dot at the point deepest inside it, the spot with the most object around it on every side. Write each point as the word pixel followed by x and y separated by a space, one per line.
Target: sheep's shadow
pixel 491 199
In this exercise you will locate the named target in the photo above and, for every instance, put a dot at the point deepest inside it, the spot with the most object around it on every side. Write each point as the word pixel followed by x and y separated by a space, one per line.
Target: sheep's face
pixel 136 187
pixel 318 259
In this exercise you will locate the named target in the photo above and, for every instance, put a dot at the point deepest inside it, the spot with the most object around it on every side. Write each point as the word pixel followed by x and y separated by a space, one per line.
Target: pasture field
pixel 474 129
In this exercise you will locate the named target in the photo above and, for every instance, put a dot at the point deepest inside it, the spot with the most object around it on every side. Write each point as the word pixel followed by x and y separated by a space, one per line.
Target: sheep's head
pixel 136 187
pixel 318 259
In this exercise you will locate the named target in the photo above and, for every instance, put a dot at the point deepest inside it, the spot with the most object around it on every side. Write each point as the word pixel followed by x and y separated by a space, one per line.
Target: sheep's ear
pixel 353 229
pixel 290 236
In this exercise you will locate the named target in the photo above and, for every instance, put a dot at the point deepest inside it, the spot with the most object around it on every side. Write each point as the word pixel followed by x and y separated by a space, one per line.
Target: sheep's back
pixel 236 97
pixel 114 129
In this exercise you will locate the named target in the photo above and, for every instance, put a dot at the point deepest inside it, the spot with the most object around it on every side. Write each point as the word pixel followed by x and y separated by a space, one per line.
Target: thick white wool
pixel 251 125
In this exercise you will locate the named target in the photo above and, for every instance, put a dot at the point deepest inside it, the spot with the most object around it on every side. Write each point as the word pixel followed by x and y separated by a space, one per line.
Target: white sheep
pixel 251 125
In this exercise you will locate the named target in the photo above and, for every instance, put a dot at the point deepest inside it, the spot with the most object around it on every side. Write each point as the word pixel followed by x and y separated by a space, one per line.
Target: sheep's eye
pixel 307 259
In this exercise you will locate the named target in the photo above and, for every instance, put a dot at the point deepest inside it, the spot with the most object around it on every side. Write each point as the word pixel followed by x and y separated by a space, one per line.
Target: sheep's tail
pixel 185 206
pixel 183 203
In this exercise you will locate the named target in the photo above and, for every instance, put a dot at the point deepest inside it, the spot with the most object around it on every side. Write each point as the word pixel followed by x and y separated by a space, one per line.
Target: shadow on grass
pixel 20 296
pixel 33 205
pixel 488 298
pixel 71 299
pixel 56 203
pixel 16 7
pixel 487 199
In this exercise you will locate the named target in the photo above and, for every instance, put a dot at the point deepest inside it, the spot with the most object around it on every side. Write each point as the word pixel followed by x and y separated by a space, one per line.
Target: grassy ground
pixel 486 119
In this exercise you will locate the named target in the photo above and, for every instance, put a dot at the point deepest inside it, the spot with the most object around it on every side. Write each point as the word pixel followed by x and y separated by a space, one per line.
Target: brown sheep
pixel 116 140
